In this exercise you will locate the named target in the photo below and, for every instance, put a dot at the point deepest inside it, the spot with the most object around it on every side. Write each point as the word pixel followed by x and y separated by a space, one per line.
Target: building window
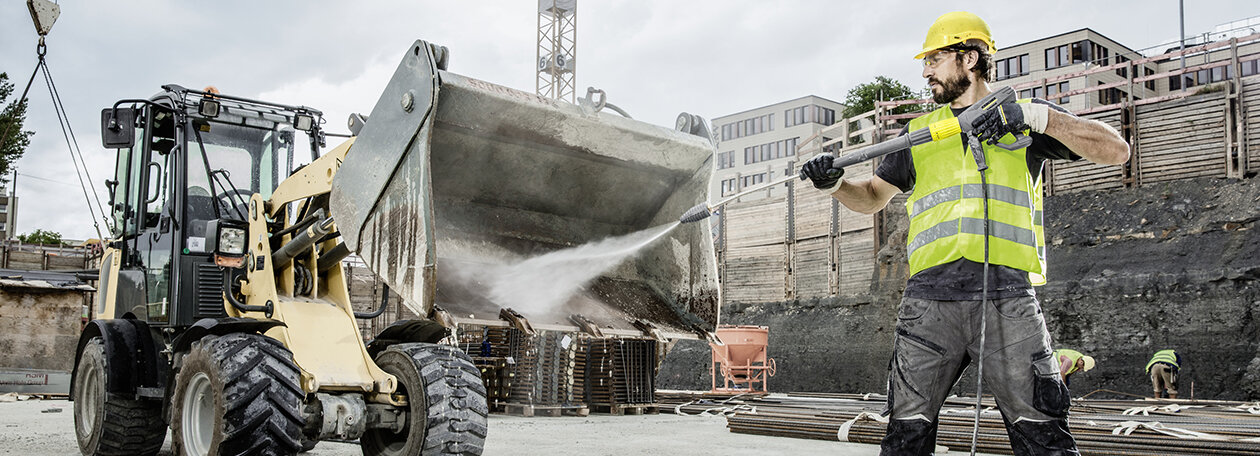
pixel 725 159
pixel 1012 67
pixel 1250 67
pixel 1201 77
pixel 809 113
pixel 1098 54
pixel 1052 90
pixel 769 151
pixel 1123 71
pixel 826 116
pixel 1034 92
pixel 751 180
pixel 1078 52
pixel 1109 96
pixel 1150 84
pixel 748 127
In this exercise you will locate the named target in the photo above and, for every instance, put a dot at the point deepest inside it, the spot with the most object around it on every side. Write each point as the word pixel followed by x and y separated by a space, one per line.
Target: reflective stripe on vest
pixel 1163 356
pixel 946 208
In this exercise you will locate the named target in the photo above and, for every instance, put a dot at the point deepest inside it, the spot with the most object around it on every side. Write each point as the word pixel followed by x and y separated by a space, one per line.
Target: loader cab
pixel 187 164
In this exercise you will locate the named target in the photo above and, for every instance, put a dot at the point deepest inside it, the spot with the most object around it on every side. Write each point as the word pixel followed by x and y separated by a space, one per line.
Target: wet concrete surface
pixel 30 428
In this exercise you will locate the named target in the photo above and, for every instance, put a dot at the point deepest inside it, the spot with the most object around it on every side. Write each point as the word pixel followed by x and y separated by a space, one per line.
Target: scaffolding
pixel 557 49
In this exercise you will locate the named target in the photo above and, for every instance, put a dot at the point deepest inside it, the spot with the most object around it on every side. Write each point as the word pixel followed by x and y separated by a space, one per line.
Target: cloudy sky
pixel 654 58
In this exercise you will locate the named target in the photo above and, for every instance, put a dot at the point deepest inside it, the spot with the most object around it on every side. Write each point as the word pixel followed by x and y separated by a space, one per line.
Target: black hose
pixel 267 309
pixel 977 152
pixel 379 310
pixel 300 225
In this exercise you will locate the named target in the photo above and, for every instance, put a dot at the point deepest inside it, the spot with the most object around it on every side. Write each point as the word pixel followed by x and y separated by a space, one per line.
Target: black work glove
pixel 995 123
pixel 819 170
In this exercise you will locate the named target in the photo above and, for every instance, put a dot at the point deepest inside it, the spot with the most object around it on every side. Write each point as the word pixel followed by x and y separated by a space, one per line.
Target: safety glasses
pixel 936 57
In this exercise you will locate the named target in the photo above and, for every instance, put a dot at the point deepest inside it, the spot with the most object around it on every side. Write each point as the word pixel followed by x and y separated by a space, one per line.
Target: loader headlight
pixel 208 108
pixel 231 241
pixel 303 122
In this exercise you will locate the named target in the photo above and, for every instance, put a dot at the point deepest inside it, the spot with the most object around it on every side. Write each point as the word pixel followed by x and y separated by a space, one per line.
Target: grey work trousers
pixel 936 341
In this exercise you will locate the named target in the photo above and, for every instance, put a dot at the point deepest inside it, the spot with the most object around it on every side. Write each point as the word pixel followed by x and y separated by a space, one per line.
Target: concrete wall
pixel 39 328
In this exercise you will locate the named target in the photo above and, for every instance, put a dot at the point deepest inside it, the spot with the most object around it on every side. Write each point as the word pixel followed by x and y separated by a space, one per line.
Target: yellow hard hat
pixel 953 28
pixel 1089 362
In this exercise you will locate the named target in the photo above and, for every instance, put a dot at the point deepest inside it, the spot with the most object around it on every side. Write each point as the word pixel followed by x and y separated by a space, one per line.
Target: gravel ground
pixel 31 428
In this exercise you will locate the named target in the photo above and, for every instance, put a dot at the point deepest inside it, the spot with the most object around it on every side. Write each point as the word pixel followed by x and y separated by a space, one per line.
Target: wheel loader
pixel 222 308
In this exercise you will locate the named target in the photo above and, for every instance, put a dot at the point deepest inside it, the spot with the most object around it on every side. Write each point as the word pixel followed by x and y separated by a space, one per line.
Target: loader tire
pixel 446 411
pixel 237 395
pixel 108 425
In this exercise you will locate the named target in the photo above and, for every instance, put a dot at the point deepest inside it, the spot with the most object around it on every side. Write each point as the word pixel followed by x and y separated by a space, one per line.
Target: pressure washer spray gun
pixel 938 130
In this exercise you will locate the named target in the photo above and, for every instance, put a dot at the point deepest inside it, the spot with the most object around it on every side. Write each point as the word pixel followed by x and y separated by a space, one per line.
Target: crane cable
pixel 72 142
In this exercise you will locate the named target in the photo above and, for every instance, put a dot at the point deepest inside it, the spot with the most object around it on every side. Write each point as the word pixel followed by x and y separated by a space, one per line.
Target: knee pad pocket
pixel 1050 395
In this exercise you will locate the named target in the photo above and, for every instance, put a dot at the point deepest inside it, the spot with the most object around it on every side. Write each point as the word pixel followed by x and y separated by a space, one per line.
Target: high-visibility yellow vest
pixel 947 206
pixel 1072 355
pixel 1163 356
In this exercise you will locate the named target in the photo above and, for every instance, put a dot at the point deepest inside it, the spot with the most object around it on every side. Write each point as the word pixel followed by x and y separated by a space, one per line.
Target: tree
pixel 863 97
pixel 13 140
pixel 41 237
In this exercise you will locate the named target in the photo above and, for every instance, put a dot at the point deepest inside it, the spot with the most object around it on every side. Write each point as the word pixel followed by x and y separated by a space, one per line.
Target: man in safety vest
pixel 1163 368
pixel 939 319
pixel 1070 362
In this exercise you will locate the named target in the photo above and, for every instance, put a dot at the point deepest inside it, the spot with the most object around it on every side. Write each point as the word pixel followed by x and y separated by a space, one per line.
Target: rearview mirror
pixel 118 127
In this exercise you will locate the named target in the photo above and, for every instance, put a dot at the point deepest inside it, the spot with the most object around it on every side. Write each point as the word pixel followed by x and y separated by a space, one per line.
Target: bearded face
pixel 951 86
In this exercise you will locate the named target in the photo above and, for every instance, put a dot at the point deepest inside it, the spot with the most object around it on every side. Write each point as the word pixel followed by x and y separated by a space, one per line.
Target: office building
pixel 8 213
pixel 759 145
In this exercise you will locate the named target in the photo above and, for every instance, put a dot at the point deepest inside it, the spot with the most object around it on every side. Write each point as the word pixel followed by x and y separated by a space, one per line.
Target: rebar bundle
pixel 1101 427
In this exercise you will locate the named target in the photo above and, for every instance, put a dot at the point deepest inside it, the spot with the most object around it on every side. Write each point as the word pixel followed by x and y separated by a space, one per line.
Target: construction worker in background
pixel 938 327
pixel 1070 362
pixel 1163 368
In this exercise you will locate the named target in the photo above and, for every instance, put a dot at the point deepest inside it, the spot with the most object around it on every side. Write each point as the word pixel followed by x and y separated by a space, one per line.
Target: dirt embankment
pixel 1168 265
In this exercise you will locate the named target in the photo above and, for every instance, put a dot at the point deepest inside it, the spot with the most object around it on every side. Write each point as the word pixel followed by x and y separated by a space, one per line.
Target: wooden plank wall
pixel 822 249
pixel 1250 102
pixel 755 262
pixel 33 257
pixel 1071 176
pixel 1182 139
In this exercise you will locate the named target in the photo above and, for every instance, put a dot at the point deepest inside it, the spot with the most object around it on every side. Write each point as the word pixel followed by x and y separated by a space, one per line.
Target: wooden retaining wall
pixel 1248 107
pixel 807 246
pixel 35 257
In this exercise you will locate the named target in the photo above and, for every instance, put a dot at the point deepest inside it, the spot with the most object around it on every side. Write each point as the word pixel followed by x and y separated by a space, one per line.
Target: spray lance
pixel 936 131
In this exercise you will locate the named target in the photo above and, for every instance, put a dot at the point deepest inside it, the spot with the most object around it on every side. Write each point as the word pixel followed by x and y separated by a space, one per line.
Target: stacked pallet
pixel 621 375
pixel 488 347
pixel 497 378
pixel 543 366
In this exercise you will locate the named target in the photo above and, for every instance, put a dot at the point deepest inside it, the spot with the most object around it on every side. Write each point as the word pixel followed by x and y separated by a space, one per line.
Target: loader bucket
pixel 453 176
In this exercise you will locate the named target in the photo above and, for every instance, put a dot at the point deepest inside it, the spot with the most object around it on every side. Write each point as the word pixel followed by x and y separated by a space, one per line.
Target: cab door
pixel 155 243
pixel 142 190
